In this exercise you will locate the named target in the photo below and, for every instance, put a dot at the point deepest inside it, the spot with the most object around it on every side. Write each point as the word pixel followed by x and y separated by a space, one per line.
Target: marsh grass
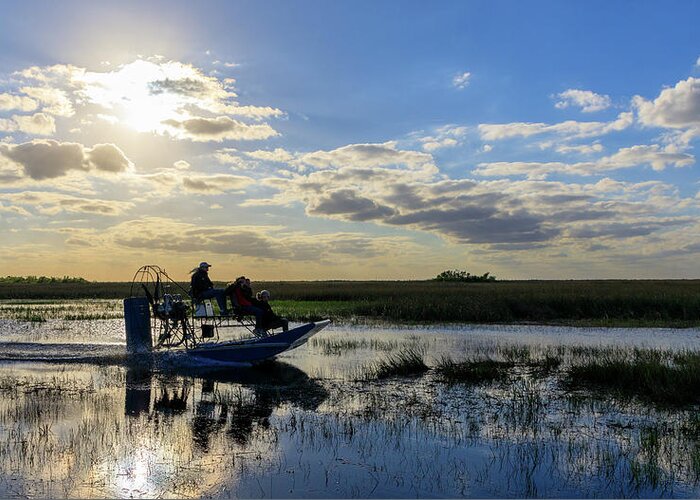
pixel 657 376
pixel 474 371
pixel 404 363
pixel 601 302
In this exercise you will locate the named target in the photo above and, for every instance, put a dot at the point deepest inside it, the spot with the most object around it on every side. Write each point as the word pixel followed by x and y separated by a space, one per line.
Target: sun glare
pixel 144 94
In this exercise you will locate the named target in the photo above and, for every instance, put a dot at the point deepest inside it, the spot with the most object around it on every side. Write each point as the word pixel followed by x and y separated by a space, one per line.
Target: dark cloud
pixel 220 128
pixel 46 159
pixel 349 205
pixel 621 230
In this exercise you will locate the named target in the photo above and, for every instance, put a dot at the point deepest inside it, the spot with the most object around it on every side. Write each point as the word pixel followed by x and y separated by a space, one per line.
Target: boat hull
pixel 254 350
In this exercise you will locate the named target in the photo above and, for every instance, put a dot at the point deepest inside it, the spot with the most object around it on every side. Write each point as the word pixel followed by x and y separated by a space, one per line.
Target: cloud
pixel 10 102
pixel 215 184
pixel 585 99
pixel 219 129
pixel 446 136
pixel 570 129
pixel 675 107
pixel 49 203
pixel 36 124
pixel 54 101
pixel 461 80
pixel 44 159
pixel 352 184
pixel 631 157
pixel 584 149
pixel 265 242
pixel 146 95
pixel 278 155
pixel 634 229
pixel 367 156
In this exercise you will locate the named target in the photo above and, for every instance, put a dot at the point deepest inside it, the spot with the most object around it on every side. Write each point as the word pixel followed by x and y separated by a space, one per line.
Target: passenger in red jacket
pixel 241 294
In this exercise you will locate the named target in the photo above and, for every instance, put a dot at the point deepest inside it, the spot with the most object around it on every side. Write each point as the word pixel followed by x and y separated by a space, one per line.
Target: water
pixel 78 418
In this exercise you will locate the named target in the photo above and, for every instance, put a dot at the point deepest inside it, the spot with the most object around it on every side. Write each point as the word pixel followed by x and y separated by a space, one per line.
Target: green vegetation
pixel 401 364
pixel 40 279
pixel 473 372
pixel 457 275
pixel 581 303
pixel 657 376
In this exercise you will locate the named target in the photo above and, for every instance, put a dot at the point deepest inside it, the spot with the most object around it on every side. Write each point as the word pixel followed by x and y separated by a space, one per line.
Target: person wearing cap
pixel 202 288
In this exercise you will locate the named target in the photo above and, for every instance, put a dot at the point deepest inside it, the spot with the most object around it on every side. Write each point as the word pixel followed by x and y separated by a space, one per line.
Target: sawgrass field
pixel 595 302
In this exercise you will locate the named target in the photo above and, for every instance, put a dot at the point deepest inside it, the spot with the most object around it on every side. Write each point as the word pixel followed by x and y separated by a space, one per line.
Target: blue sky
pixel 378 140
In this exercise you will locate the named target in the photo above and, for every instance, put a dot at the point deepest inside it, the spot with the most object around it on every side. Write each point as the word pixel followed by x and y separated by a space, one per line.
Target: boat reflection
pixel 232 400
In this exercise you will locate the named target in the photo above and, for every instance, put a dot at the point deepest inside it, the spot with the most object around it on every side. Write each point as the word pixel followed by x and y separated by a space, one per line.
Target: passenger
pixel 270 319
pixel 242 296
pixel 202 288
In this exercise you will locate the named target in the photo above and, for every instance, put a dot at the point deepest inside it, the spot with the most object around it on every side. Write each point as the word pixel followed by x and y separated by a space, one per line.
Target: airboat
pixel 160 315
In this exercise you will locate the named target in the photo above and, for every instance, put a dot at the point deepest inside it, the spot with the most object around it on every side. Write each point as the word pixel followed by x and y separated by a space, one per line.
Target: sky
pixel 350 140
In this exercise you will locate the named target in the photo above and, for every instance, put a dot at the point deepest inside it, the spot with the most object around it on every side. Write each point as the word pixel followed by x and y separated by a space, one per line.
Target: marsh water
pixel 78 418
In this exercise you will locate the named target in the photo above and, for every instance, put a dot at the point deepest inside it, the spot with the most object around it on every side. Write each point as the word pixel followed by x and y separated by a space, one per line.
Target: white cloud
pixel 36 124
pixel 278 155
pixel 584 149
pixel 675 107
pixel 635 156
pixel 569 129
pixel 367 156
pixel 9 102
pixel 585 99
pixel 446 136
pixel 54 101
pixel 461 80
pixel 146 95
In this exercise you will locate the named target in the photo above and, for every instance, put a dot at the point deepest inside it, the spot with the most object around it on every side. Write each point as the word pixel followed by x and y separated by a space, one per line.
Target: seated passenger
pixel 202 288
pixel 270 319
pixel 241 295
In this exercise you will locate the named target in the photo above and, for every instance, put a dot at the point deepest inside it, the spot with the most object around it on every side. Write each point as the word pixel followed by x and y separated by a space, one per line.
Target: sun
pixel 145 94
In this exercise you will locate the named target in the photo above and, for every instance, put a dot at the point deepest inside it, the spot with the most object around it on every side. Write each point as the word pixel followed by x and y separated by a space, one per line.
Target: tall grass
pixel 658 376
pixel 604 303
pixel 401 364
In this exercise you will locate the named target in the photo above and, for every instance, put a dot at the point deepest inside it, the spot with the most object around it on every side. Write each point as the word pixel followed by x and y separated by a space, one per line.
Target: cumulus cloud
pixel 10 102
pixel 585 99
pixel 446 136
pixel 501 213
pixel 219 129
pixel 461 80
pixel 44 159
pixel 54 101
pixel 147 95
pixel 634 156
pixel 675 107
pixel 278 155
pixel 36 124
pixel 569 129
pixel 367 156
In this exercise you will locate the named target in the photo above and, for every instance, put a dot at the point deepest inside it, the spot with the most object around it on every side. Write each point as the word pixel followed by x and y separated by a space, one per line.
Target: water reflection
pixel 126 430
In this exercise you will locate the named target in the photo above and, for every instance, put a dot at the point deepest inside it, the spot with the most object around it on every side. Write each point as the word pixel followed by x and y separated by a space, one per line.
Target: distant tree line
pixel 41 279
pixel 457 275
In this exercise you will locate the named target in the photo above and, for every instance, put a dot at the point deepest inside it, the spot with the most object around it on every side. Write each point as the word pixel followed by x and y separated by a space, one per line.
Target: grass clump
pixel 473 371
pixel 656 376
pixel 403 363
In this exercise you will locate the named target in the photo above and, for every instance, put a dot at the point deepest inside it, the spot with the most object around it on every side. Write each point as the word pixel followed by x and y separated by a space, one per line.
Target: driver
pixel 202 288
